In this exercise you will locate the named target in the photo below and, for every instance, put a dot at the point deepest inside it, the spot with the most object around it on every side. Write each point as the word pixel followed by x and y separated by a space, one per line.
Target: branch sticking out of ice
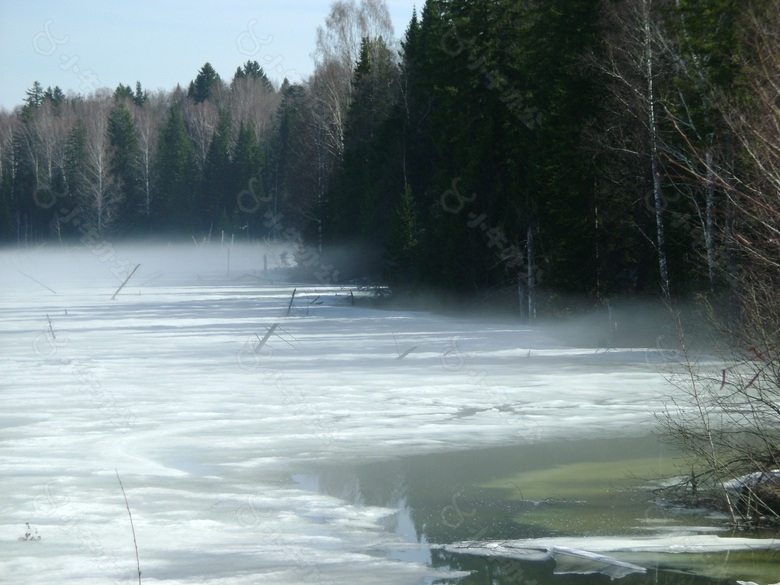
pixel 37 281
pixel 121 286
pixel 292 298
pixel 406 353
pixel 268 334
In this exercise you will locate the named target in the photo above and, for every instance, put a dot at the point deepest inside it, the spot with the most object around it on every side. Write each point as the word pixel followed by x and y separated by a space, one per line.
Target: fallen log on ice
pixel 567 559
pixel 588 555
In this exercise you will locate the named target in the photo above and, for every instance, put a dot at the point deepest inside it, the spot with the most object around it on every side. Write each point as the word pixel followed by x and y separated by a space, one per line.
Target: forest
pixel 576 147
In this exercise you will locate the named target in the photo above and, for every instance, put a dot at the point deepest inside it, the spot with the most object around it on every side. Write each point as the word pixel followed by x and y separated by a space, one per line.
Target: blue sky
pixel 87 44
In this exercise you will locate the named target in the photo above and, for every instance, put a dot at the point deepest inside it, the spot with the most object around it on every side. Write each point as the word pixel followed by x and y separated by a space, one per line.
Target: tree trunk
pixel 709 221
pixel 522 295
pixel 658 200
pixel 531 282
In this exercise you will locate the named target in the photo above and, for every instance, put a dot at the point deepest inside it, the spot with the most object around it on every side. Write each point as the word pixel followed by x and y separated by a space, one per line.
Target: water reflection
pixel 442 499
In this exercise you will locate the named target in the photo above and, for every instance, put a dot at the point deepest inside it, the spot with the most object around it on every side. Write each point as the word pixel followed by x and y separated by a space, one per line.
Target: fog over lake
pixel 268 430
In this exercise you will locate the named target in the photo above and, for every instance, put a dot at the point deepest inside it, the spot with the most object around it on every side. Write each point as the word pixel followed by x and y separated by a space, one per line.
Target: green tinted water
pixel 585 488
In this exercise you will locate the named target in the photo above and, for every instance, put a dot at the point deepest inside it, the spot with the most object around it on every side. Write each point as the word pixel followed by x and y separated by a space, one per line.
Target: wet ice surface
pixel 168 385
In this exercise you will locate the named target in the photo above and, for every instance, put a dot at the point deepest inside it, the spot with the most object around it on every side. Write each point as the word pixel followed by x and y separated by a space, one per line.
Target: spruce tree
pixel 125 158
pixel 205 86
pixel 218 195
pixel 176 199
pixel 246 202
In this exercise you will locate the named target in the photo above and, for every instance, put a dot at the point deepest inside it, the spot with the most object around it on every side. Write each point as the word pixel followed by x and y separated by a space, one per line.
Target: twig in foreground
pixel 135 543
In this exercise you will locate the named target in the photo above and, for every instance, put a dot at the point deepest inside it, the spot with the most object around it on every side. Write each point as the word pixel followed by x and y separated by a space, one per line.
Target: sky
pixel 88 44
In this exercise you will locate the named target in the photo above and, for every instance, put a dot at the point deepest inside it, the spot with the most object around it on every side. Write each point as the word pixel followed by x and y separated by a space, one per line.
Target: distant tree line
pixel 130 163
pixel 584 146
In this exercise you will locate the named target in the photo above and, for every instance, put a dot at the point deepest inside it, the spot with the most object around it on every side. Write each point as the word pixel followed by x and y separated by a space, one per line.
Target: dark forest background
pixel 588 147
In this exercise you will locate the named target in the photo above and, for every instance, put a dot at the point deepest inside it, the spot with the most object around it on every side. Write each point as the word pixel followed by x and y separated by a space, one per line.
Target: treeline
pixel 582 146
pixel 130 163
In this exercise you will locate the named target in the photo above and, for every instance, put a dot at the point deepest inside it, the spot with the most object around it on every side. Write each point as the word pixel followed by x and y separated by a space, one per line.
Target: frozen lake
pixel 220 411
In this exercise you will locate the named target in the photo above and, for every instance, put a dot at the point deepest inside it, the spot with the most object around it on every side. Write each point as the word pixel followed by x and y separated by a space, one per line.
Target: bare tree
pixel 200 119
pixel 347 24
pixel 50 127
pixel 632 62
pixel 252 103
pixel 338 48
pixel 99 195
pixel 148 119
pixel 726 414
pixel 757 127
pixel 43 138
pixel 725 417
pixel 330 96
pixel 9 125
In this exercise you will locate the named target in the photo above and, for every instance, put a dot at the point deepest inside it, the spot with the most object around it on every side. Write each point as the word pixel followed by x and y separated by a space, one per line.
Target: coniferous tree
pixel 205 86
pixel 511 137
pixel 33 100
pixel 28 216
pixel 176 199
pixel 7 199
pixel 123 92
pixel 217 181
pixel 253 70
pixel 140 96
pixel 55 96
pixel 356 204
pixel 297 163
pixel 247 201
pixel 561 100
pixel 125 166
pixel 403 243
pixel 76 161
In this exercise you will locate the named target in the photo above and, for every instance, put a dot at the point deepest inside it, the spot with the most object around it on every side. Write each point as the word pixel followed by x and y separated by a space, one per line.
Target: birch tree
pixel 253 102
pixel 200 119
pixel 148 119
pixel 700 47
pixel 336 55
pixel 99 194
pixel 43 135
pixel 633 63
pixel 726 417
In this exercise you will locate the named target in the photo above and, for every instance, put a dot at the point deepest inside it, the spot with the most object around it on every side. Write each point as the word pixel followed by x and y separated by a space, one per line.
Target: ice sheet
pixel 168 385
